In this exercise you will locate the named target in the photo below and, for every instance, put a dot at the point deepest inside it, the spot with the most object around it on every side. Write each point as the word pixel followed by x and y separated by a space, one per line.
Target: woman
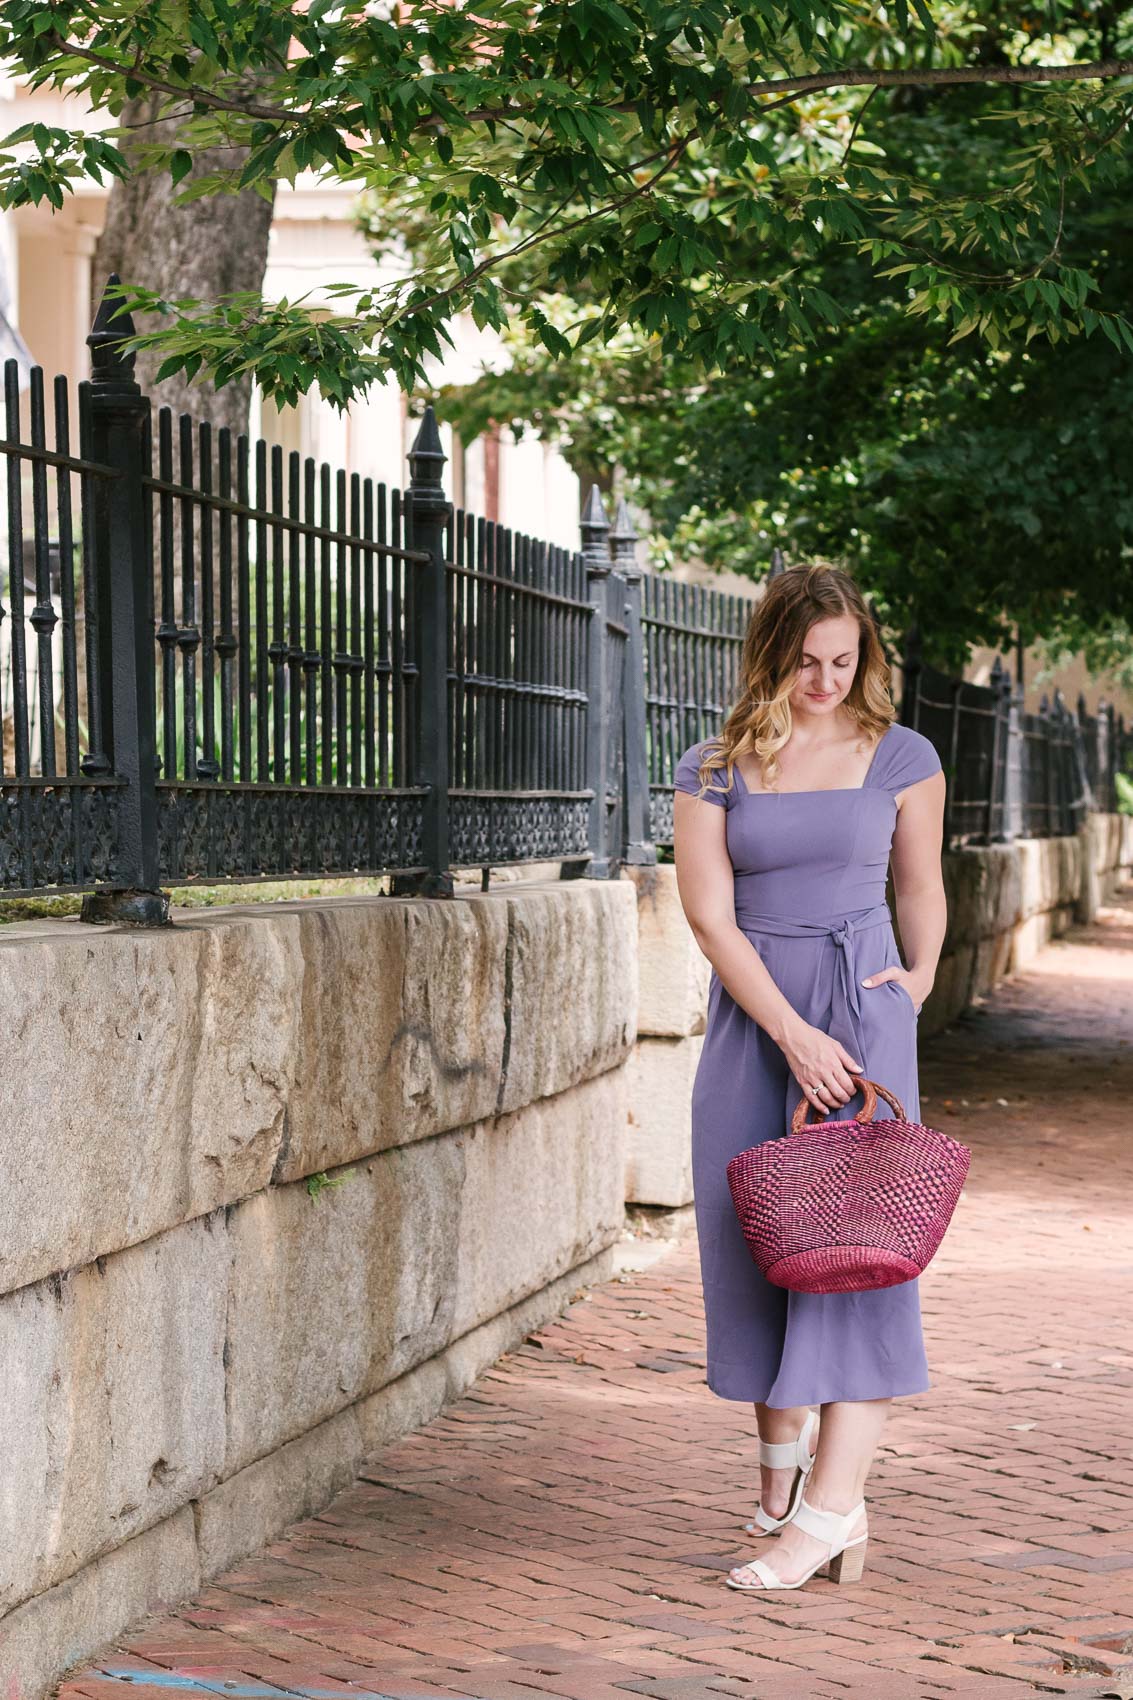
pixel 784 827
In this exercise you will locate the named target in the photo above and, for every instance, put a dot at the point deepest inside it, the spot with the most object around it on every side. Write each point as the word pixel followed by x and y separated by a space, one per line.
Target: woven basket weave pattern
pixel 847 1206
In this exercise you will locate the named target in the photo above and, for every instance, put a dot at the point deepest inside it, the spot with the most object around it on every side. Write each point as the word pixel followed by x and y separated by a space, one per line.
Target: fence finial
pixel 427 458
pixel 111 364
pixel 595 527
pixel 778 564
pixel 623 541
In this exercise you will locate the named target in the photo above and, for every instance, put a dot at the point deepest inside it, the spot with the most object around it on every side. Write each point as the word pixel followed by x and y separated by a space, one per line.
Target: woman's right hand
pixel 821 1066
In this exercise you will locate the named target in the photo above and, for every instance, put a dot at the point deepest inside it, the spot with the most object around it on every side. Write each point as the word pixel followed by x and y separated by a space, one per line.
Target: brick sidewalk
pixel 563 1529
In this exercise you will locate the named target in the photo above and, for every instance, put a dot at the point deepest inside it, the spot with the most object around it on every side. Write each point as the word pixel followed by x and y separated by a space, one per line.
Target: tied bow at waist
pixel 846 1011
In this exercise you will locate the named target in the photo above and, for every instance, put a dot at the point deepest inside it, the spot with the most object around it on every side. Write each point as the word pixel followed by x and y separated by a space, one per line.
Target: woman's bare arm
pixel 918 886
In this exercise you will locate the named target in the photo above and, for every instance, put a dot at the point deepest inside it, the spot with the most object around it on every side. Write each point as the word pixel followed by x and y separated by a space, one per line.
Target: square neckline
pixel 822 790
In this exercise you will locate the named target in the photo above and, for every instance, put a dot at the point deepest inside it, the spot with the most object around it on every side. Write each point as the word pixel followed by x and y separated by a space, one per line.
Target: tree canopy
pixel 979 480
pixel 985 488
pixel 630 155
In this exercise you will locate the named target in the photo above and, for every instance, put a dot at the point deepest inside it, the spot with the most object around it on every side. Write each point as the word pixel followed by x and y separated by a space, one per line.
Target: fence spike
pixel 595 528
pixel 594 513
pixel 623 539
pixel 427 456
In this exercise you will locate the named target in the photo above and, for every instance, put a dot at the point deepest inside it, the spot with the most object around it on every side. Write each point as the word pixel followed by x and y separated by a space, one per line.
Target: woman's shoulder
pixel 904 756
pixel 687 778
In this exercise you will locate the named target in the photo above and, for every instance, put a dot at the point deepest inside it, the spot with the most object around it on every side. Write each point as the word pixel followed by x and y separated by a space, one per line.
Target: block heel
pixel 847 1565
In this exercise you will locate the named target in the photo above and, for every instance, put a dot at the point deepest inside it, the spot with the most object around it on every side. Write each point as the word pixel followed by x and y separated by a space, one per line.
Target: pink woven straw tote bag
pixel 843 1207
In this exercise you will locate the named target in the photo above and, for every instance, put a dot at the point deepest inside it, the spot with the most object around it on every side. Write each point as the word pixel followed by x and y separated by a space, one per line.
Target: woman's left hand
pixel 918 985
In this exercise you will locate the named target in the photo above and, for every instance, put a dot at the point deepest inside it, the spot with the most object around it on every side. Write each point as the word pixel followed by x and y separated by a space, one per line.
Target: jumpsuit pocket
pixel 915 1007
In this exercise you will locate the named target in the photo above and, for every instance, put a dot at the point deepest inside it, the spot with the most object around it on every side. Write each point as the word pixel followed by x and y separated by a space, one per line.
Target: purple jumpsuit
pixel 810 870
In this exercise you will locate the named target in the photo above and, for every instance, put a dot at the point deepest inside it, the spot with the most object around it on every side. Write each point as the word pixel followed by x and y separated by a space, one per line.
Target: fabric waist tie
pixel 845 1002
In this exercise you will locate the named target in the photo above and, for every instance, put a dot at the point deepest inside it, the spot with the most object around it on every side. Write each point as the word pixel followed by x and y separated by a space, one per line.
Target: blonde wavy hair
pixel 770 661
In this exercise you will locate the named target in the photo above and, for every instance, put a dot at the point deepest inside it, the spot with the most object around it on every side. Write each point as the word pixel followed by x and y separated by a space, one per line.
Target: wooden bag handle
pixel 870 1090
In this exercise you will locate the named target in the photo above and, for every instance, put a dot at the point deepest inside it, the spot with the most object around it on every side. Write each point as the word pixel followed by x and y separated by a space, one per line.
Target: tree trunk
pixel 211 247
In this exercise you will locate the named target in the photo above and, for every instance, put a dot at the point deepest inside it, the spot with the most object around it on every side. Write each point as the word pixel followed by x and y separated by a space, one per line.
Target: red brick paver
pixel 563 1530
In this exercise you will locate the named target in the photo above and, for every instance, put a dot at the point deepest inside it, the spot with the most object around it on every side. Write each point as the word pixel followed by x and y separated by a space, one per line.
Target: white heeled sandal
pixel 780 1455
pixel 846 1557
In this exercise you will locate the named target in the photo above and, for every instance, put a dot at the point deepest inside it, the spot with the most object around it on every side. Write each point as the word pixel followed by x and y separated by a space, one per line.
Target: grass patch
pixel 200 896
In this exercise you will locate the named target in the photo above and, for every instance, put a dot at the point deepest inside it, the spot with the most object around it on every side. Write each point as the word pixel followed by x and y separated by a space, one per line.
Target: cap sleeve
pixel 685 778
pixel 911 757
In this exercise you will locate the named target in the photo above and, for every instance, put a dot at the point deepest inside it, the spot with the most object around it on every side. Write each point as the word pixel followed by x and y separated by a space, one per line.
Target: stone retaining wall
pixel 194 1349
pixel 1004 902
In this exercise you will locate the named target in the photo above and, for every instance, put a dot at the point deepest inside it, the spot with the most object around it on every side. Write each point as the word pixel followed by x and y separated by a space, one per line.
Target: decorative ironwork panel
pixel 490 830
pixel 661 814
pixel 223 832
pixel 57 837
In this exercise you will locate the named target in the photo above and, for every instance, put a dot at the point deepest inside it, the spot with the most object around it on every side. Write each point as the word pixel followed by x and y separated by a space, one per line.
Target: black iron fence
pixel 1013 773
pixel 233 664
pixel 693 636
pixel 220 662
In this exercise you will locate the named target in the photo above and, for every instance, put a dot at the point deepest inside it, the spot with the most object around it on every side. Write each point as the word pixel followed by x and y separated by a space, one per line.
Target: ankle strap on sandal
pixel 784 1454
pixel 831 1526
pixel 779 1454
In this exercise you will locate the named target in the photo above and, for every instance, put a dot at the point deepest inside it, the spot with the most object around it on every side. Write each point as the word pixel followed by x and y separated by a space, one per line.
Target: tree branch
pixel 850 77
pixel 542 234
pixel 858 116
pixel 191 91
pixel 863 77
